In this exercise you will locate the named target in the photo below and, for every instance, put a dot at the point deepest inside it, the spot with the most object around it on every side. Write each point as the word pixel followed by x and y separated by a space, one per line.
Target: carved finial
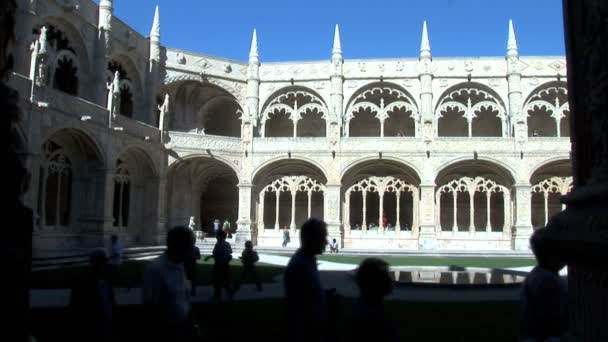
pixel 116 83
pixel 425 44
pixel 512 42
pixel 155 32
pixel 106 8
pixel 44 43
pixel 253 52
pixel 336 52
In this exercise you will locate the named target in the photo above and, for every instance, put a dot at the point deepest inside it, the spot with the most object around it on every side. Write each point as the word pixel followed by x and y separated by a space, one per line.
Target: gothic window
pixel 548 111
pixel 66 74
pixel 122 195
pixel 294 113
pixel 382 110
pixel 61 57
pixel 470 111
pixel 55 187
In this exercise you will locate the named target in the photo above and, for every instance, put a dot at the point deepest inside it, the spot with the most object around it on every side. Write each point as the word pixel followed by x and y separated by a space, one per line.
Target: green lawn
pixel 262 320
pixel 492 262
pixel 131 274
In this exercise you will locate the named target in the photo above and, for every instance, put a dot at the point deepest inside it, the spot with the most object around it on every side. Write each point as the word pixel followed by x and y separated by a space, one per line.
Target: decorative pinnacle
pixel 253 52
pixel 425 44
pixel 337 49
pixel 116 83
pixel 512 42
pixel 155 32
pixel 43 41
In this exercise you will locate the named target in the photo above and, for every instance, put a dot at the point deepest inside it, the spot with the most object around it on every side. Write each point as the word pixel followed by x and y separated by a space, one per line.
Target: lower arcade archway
pixel 288 192
pixel 473 206
pixel 204 189
pixel 380 205
pixel 549 183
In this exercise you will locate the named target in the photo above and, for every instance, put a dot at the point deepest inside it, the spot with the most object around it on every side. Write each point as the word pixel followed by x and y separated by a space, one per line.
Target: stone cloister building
pixel 123 135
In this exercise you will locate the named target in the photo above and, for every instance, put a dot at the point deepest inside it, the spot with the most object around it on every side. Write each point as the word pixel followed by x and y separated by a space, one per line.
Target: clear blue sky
pixel 290 30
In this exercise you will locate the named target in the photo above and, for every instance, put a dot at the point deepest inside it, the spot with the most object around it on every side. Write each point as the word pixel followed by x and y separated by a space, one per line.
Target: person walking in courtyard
pixel 249 257
pixel 306 303
pixel 369 320
pixel 115 261
pixel 92 302
pixel 286 238
pixel 216 226
pixel 190 266
pixel 166 290
pixel 544 314
pixel 222 255
pixel 226 228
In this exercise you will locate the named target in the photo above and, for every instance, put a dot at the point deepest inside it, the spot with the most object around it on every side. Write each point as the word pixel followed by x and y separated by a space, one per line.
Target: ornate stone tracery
pixel 471 186
pixel 293 185
pixel 383 102
pixel 553 185
pixel 381 186
pixel 470 102
pixel 551 100
pixel 297 105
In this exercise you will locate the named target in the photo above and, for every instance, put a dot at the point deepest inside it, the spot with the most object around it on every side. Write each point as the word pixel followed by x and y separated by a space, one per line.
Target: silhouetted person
pixel 92 302
pixel 166 290
pixel 249 257
pixel 286 237
pixel 115 260
pixel 543 294
pixel 190 267
pixel 222 255
pixel 306 303
pixel 369 321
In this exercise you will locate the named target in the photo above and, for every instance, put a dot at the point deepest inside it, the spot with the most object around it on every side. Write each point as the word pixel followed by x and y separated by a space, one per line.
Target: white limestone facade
pixel 123 135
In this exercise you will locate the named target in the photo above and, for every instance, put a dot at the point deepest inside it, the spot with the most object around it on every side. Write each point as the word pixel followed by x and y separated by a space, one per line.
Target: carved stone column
pixel 243 232
pixel 261 212
pixel 427 238
pixel 472 212
pixel 489 217
pixel 364 223
pixel 580 233
pixel 397 221
pixel 380 210
pixel 108 205
pixel 309 203
pixel 162 210
pixel 292 225
pixel 276 222
pixel 523 222
pixel 331 211
pixel 455 213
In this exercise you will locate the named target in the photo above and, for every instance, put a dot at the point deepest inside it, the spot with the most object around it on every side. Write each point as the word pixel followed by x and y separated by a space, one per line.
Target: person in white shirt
pixel 166 290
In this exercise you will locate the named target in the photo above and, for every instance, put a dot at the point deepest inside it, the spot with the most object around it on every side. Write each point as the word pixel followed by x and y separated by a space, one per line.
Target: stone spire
pixel 106 8
pixel 155 37
pixel 253 52
pixel 512 42
pixel 425 44
pixel 43 49
pixel 336 52
pixel 155 32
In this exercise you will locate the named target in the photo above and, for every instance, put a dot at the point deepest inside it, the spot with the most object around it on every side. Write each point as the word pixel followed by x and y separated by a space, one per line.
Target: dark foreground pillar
pixel 580 233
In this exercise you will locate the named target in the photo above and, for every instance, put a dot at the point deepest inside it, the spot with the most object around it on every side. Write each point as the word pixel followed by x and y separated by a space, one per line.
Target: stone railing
pixel 290 145
pixel 72 105
pixel 21 84
pixel 137 128
pixel 193 141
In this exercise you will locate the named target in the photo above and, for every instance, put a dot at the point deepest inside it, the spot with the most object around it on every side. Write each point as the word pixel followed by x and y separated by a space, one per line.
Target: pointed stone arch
pixel 550 181
pixel 471 109
pixel 294 112
pixel 203 108
pixel 381 109
pixel 548 111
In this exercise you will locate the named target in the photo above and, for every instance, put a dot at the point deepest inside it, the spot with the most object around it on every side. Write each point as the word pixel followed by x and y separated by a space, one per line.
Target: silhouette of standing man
pixel 307 310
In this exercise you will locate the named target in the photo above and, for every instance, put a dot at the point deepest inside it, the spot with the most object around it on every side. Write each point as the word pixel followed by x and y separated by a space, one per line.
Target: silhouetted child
pixel 249 257
pixel 92 301
pixel 190 267
pixel 222 254
pixel 544 314
pixel 369 321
